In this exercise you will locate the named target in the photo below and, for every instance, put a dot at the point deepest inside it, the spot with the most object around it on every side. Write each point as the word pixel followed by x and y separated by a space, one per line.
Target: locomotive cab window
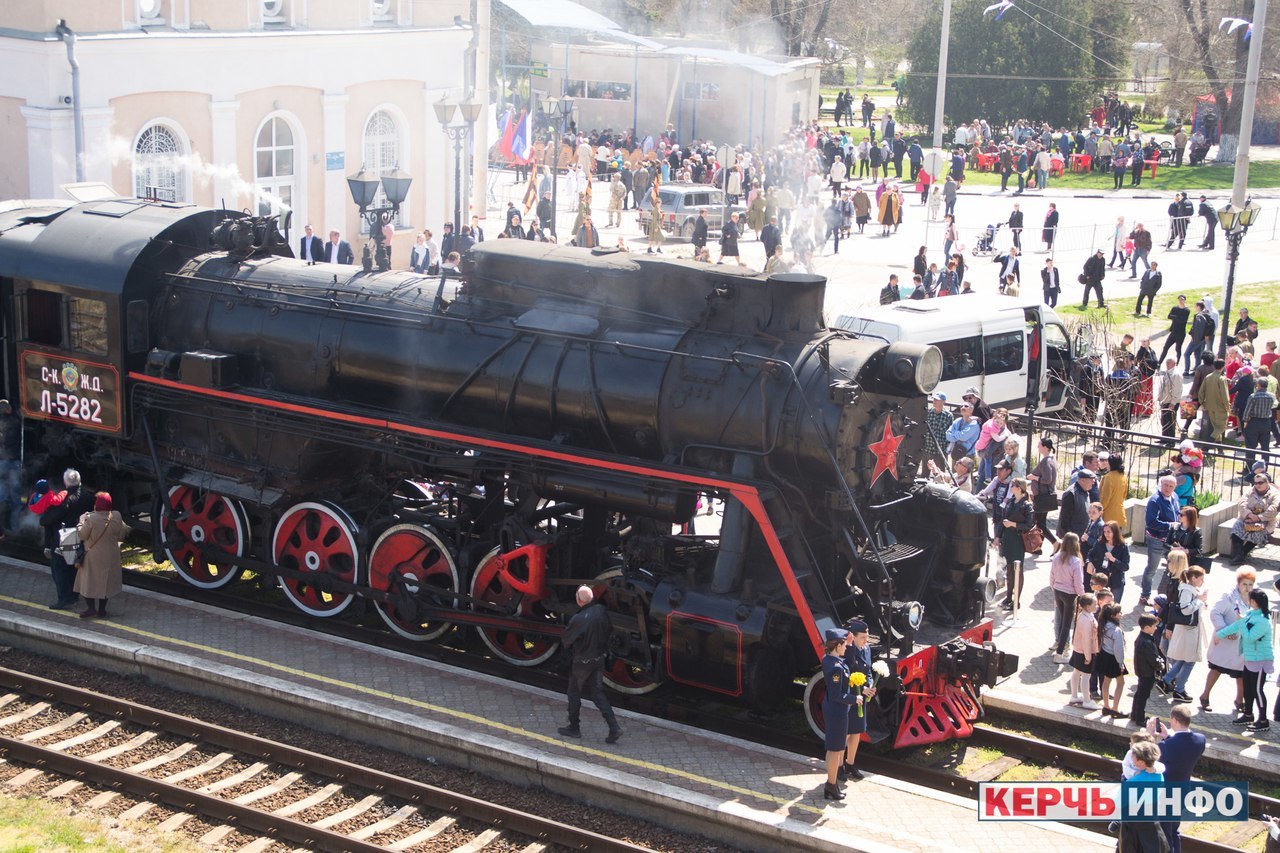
pixel 65 322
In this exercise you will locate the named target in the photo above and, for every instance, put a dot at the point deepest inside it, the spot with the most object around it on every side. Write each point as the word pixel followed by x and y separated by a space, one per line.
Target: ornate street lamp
pixel 562 108
pixel 364 191
pixel 445 112
pixel 1235 222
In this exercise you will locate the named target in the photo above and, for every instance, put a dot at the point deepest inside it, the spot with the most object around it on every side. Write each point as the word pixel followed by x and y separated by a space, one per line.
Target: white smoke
pixel 118 150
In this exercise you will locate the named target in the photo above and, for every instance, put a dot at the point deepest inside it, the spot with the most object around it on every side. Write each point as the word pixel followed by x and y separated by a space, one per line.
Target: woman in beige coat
pixel 99 574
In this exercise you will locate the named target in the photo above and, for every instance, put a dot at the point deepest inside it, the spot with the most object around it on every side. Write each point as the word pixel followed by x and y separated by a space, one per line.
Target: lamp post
pixel 563 108
pixel 1235 222
pixel 364 192
pixel 445 111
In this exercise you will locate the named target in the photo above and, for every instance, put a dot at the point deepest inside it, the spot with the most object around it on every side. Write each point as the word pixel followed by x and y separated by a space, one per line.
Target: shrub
pixel 1204 500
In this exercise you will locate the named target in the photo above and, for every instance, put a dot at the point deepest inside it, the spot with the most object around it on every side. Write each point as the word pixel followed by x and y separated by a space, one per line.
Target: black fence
pixel 1145 456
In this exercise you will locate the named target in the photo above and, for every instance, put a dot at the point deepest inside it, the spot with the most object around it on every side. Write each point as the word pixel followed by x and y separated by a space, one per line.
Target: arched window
pixel 382 155
pixel 157 169
pixel 273 160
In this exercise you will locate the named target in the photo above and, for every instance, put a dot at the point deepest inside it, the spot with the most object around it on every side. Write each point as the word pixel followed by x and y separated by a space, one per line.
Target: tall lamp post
pixel 445 111
pixel 1235 222
pixel 563 108
pixel 364 192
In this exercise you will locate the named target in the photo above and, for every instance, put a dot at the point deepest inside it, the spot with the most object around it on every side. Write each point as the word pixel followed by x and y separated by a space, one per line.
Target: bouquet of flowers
pixel 859 681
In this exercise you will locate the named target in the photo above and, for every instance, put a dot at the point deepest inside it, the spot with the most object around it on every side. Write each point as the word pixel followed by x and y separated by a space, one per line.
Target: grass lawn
pixel 1258 297
pixel 33 824
pixel 1214 177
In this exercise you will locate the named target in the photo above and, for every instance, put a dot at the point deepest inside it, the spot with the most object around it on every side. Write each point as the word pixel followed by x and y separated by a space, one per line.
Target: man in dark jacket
pixel 1152 281
pixel 1073 511
pixel 1201 340
pixel 1180 750
pixel 771 237
pixel 1210 217
pixel 1015 226
pixel 699 238
pixel 1095 270
pixel 1051 283
pixel 1141 238
pixel 546 214
pixel 79 500
pixel 1146 665
pixel 586 640
pixel 448 238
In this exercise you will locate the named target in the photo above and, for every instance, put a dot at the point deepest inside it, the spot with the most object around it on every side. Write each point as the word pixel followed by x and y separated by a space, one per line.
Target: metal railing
pixel 1145 454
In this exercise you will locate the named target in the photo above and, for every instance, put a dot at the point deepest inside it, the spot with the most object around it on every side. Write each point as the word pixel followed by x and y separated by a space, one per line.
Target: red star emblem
pixel 886 452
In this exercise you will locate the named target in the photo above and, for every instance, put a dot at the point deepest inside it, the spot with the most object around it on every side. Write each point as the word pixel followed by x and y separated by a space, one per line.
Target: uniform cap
pixel 857 626
pixel 834 635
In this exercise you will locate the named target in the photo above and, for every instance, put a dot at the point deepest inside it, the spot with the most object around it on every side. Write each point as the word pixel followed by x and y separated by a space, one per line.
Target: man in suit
pixel 312 247
pixel 337 250
pixel 1180 750
pixel 1051 283
pixel 477 233
pixel 1152 281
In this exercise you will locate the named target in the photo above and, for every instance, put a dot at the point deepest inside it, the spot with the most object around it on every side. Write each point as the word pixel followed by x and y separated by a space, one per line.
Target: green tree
pixel 1038 65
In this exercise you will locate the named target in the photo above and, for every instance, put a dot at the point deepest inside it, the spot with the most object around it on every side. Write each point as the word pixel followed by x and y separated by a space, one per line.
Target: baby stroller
pixel 987 242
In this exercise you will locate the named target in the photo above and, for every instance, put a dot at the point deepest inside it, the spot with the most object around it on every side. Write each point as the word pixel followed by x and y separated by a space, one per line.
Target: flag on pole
pixel 508 134
pixel 522 144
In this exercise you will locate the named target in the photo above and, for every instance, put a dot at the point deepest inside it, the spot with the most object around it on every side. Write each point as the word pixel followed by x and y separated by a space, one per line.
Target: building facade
pixel 260 104
pixel 702 91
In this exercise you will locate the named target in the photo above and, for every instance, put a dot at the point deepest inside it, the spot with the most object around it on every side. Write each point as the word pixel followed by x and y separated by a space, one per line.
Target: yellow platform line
pixel 418 704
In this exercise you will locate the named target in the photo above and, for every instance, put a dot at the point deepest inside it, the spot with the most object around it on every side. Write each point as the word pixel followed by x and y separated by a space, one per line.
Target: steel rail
pixel 417 793
pixel 183 799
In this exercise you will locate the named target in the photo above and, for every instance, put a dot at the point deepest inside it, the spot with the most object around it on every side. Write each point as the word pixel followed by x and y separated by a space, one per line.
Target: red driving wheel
pixel 203 518
pixel 320 538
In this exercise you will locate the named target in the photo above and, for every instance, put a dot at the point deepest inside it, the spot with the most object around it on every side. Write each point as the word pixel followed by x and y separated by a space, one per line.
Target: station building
pixel 258 104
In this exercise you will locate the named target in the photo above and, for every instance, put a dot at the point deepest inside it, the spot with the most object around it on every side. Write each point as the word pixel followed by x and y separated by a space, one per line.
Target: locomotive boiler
pixel 462 453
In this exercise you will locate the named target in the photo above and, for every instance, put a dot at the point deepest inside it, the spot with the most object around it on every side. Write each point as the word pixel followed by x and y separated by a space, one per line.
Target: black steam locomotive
pixel 466 452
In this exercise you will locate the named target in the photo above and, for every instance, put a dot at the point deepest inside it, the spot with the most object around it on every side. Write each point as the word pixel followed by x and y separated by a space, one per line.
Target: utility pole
pixel 940 96
pixel 1240 184
pixel 480 133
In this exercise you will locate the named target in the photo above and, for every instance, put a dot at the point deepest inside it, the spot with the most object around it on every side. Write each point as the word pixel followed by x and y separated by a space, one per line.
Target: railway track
pixel 242 783
pixel 1014 750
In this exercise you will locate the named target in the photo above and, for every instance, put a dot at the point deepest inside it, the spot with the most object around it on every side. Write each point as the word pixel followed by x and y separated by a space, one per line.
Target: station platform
pixel 752 797
pixel 1039 688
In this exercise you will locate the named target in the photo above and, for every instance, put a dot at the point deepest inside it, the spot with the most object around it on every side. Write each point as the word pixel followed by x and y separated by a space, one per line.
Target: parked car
pixel 680 205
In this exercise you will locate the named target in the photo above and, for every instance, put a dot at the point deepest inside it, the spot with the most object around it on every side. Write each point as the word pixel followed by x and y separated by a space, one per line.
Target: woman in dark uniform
pixel 1018 519
pixel 857 659
pixel 835 708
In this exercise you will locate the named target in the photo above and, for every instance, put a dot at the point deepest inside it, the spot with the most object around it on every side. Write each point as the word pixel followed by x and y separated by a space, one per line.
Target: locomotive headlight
pixel 929 370
pixel 907 618
pixel 912 366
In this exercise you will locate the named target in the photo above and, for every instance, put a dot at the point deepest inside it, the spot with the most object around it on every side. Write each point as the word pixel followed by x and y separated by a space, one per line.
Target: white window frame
pixel 382 11
pixel 182 147
pixel 380 161
pixel 274 183
pixel 157 19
